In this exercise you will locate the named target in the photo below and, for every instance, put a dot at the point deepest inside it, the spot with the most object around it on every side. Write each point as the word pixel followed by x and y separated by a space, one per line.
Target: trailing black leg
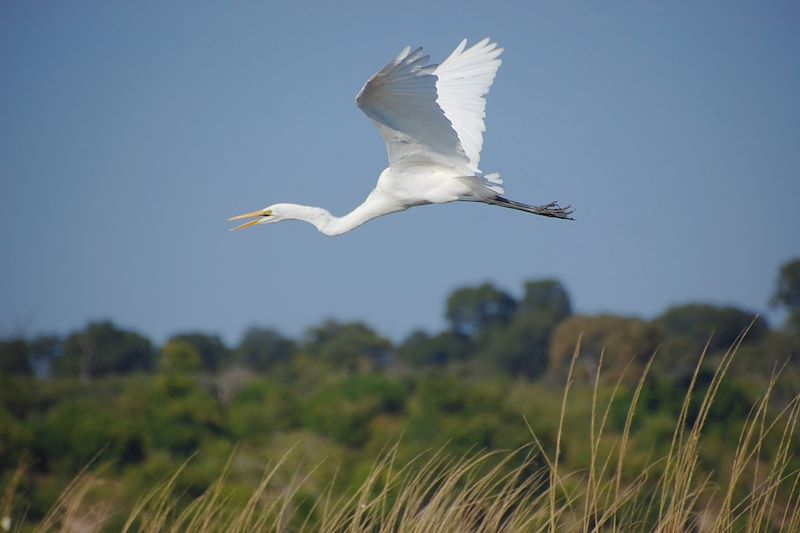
pixel 550 210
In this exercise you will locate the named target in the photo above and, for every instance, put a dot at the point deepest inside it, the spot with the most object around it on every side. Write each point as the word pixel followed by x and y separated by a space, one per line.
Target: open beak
pixel 257 216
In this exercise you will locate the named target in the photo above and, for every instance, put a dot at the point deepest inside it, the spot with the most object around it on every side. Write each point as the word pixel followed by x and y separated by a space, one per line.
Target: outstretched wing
pixel 464 78
pixel 401 100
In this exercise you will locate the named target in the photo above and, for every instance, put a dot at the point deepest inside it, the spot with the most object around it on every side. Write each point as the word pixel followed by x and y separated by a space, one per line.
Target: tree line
pixel 489 330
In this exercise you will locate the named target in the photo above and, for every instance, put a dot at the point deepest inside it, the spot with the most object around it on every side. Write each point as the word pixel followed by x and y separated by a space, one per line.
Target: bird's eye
pixel 268 213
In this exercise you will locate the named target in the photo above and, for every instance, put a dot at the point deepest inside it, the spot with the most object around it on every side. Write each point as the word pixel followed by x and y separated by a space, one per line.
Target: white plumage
pixel 463 80
pixel 431 119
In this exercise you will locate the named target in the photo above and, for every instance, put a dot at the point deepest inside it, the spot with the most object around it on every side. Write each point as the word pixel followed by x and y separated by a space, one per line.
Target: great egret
pixel 431 118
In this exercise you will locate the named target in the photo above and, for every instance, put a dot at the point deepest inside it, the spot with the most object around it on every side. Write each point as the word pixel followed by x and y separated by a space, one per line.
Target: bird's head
pixel 268 215
pixel 317 216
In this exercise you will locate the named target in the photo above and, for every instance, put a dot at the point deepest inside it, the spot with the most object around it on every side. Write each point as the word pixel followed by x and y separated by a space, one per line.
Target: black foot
pixel 554 210
pixel 550 210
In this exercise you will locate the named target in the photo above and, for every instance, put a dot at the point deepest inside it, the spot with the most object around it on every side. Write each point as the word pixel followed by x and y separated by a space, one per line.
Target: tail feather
pixel 482 187
pixel 494 183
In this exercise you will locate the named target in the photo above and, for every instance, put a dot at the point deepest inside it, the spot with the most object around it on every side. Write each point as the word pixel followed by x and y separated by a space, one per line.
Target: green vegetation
pixel 468 428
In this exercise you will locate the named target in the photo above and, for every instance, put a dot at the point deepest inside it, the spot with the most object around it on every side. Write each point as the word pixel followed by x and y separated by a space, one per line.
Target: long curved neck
pixel 374 206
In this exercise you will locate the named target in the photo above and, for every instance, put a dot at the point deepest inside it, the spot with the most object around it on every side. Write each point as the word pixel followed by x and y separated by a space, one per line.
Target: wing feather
pixel 464 78
pixel 401 100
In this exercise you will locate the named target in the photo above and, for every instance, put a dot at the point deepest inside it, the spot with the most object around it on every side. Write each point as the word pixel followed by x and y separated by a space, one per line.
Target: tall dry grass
pixel 515 490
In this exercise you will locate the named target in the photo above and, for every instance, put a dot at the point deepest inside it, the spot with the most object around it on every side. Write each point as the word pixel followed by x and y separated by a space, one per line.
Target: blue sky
pixel 130 131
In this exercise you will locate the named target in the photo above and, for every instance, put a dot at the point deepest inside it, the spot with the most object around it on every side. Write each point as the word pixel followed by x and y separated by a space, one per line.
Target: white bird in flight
pixel 431 118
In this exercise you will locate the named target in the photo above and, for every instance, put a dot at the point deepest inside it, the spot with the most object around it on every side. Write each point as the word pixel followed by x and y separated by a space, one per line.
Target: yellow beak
pixel 256 215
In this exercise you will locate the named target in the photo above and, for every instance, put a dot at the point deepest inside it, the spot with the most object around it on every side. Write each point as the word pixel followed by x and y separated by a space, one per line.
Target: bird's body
pixel 431 118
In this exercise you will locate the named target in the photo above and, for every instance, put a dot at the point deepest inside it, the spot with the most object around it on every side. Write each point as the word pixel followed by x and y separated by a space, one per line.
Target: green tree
pixel 472 310
pixel 547 296
pixel 180 357
pixel 15 438
pixel 522 348
pixel 76 429
pixel 263 348
pixel 354 346
pixel 344 411
pixel 787 293
pixel 787 289
pixel 211 349
pixel 182 415
pixel 624 341
pixel 423 349
pixel 15 358
pixel 695 324
pixel 261 407
pixel 103 349
pixel 182 412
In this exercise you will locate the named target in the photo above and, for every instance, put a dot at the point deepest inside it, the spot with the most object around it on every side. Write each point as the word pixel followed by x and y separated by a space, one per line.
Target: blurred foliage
pixel 105 396
pixel 43 350
pixel 351 347
pixel 103 349
pixel 212 351
pixel 787 294
pixel 180 357
pixel 472 310
pixel 421 349
pixel 548 297
pixel 718 326
pixel 793 322
pixel 344 411
pixel 263 407
pixel 263 348
pixel 688 330
pixel 787 290
pixel 626 345
pixel 15 359
pixel 521 348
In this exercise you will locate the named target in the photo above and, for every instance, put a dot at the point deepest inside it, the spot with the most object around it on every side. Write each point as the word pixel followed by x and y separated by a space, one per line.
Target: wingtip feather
pixel 403 53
